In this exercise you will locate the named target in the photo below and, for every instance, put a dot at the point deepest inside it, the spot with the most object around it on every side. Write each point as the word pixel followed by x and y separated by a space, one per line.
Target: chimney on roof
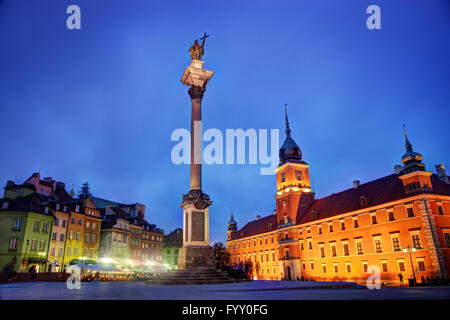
pixel 356 184
pixel 258 217
pixel 397 168
pixel 48 179
pixel 440 170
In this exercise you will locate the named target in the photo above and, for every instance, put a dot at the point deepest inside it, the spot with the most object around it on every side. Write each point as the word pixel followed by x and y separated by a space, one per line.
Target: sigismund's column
pixel 196 252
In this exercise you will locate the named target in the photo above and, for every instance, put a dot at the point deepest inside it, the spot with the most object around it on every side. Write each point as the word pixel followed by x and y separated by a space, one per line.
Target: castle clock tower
pixel 294 192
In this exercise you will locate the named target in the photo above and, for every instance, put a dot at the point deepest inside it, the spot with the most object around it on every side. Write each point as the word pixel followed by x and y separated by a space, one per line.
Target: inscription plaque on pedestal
pixel 198 226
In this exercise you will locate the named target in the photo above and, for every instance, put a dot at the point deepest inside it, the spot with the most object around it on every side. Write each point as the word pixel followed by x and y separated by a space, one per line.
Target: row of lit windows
pixel 377 242
pixel 343 226
pixel 248 243
pixel 263 257
pixel 365 266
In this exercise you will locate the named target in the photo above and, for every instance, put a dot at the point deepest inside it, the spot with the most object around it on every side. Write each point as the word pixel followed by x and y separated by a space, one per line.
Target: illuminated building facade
pixel 398 224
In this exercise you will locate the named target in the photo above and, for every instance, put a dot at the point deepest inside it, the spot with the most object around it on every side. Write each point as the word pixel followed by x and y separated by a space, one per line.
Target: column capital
pixel 196 92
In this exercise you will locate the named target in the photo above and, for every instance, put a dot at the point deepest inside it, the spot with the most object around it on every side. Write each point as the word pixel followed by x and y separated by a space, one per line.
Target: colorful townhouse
pixel 115 236
pixel 92 229
pixel 398 225
pixel 60 227
pixel 25 227
pixel 172 244
pixel 75 234
pixel 152 241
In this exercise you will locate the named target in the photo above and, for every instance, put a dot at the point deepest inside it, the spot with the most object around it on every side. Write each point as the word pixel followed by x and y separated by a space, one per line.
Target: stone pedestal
pixel 196 251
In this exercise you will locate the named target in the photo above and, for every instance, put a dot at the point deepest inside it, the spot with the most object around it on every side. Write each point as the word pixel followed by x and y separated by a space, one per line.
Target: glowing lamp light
pixel 404 250
pixel 287 190
pixel 255 278
pixel 150 263
pixel 295 189
pixel 307 190
pixel 413 249
pixel 279 193
pixel 105 260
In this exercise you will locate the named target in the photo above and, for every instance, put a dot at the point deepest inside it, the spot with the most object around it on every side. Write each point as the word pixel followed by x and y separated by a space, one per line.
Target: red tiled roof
pixel 383 190
pixel 256 227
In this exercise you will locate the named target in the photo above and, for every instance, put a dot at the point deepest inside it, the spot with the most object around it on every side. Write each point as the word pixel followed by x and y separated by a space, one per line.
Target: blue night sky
pixel 99 104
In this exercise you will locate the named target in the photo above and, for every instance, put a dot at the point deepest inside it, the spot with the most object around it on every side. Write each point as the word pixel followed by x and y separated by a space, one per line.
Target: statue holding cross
pixel 196 50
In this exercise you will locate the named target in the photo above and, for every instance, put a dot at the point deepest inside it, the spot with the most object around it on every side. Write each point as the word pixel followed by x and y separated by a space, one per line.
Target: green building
pixel 25 227
pixel 172 244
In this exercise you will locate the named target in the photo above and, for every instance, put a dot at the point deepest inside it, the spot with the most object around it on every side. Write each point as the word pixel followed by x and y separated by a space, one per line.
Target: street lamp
pixel 409 249
pixel 42 256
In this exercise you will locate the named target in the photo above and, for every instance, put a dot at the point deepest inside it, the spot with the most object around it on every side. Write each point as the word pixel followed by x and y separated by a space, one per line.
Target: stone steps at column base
pixel 194 277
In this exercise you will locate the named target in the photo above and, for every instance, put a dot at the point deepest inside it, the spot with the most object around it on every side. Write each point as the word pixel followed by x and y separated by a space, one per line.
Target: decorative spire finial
pixel 232 217
pixel 408 144
pixel 288 130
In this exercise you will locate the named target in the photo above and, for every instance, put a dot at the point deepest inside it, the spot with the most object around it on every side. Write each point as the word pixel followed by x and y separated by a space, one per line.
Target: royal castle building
pixel 398 224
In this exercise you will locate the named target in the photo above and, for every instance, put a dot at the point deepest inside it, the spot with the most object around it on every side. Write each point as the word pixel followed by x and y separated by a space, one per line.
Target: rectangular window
pixel 330 227
pixel 79 222
pixel 78 236
pixel 384 266
pixel 17 224
pixel 401 265
pixel 348 267
pixel 345 249
pixel 324 268
pixel 75 252
pixel 322 251
pixel 34 244
pixel 421 264
pixel 63 223
pixel 60 252
pixel 54 236
pixel 92 238
pixel 69 251
pixel 57 206
pixel 342 225
pixel 283 176
pixel 86 238
pixel 56 222
pixel 447 239
pixel 72 221
pixel 374 218
pixel 441 211
pixel 359 246
pixel 42 247
pixel 52 252
pixel 36 226
pixel 298 174
pixel 416 241
pixel 12 244
pixel 364 264
pixel 336 268
pixel 410 212
pixel 396 243
pixel 311 264
pixel 333 249
pixel 378 245
pixel 71 235
pixel 355 223
pixel 88 224
pixel 391 215
pixel 61 237
pixel 309 244
pixel 45 227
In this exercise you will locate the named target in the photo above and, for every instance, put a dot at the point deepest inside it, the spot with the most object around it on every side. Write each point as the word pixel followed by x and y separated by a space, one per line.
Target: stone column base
pixel 195 257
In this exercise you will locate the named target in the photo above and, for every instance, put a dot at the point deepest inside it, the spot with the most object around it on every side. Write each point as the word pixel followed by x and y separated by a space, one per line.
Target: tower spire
pixel 288 130
pixel 232 217
pixel 408 145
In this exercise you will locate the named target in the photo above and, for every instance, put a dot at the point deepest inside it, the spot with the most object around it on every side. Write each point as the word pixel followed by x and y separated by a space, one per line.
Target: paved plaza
pixel 257 290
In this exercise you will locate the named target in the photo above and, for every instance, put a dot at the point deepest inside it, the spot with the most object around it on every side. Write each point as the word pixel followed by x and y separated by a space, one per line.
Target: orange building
pixel 398 224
